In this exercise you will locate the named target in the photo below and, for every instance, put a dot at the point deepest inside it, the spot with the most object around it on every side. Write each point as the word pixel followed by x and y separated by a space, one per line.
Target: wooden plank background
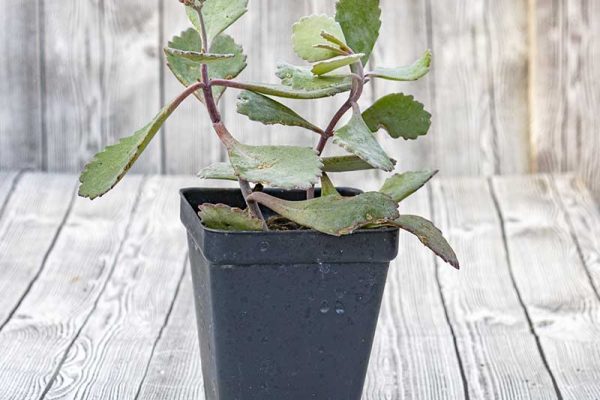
pixel 513 90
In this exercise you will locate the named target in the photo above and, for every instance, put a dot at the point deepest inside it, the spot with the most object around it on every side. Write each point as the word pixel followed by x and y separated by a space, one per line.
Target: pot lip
pixel 184 191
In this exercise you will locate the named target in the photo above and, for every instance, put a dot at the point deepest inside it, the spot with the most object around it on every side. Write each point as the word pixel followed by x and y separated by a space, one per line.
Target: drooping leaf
pixel 360 22
pixel 307 34
pixel 400 115
pixel 430 236
pixel 323 67
pixel 110 165
pixel 333 215
pixel 400 186
pixel 224 44
pixel 335 40
pixel 270 112
pixel 220 171
pixel 328 188
pixel 357 139
pixel 417 70
pixel 299 94
pixel 346 164
pixel 218 15
pixel 195 56
pixel 225 218
pixel 286 167
pixel 189 72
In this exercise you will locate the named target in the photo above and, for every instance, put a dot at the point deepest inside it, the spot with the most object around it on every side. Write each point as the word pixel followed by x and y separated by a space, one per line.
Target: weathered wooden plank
pixel 175 371
pixel 34 342
pixel 413 355
pixel 190 143
pixel 498 351
pixel 7 183
pixel 20 84
pixel 565 76
pixel 552 281
pixel 29 224
pixel 110 355
pixel 584 220
pixel 102 78
pixel 480 94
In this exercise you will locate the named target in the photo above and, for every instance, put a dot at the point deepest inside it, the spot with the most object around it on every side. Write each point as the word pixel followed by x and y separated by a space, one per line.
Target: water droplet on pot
pixel 321 349
pixel 324 268
pixel 339 308
pixel 324 307
pixel 264 246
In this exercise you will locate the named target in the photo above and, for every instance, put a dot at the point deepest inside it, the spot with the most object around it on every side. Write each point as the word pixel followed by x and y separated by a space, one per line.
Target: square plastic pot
pixel 284 315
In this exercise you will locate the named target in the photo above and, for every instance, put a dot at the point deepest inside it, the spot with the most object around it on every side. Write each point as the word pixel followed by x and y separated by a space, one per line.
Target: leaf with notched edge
pixel 270 112
pixel 195 56
pixel 307 34
pixel 429 235
pixel 333 215
pixel 400 115
pixel 218 15
pixel 360 22
pixel 221 171
pixel 225 218
pixel 357 139
pixel 400 186
pixel 408 73
pixel 286 167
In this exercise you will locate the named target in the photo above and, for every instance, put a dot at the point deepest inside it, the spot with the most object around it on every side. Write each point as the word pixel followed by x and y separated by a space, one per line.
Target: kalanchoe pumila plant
pixel 207 61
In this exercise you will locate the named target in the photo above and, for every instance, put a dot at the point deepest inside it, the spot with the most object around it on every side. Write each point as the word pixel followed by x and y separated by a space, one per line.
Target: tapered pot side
pixel 284 315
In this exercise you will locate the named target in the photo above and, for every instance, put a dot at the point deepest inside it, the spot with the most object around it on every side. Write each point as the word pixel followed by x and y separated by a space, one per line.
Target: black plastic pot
pixel 284 315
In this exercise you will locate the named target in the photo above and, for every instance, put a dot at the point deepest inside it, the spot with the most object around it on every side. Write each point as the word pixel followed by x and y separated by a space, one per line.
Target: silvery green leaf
pixel 205 58
pixel 286 167
pixel 224 218
pixel 333 215
pixel 218 15
pixel 400 186
pixel 220 171
pixel 357 139
pixel 323 67
pixel 307 34
pixel 360 22
pixel 327 187
pixel 408 73
pixel 400 115
pixel 346 164
pixel 270 112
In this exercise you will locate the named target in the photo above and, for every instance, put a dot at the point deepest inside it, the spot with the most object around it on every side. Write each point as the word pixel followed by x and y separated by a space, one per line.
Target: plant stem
pixel 224 135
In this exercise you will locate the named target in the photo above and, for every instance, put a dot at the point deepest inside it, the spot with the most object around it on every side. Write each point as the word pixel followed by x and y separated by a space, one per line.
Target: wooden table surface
pixel 96 298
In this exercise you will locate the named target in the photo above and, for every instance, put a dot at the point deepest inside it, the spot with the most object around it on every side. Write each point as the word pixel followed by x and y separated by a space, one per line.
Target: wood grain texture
pixel 109 356
pixel 480 93
pixel 497 348
pixel 102 78
pixel 553 283
pixel 7 183
pixel 584 220
pixel 175 371
pixel 189 141
pixel 65 294
pixel 565 93
pixel 413 355
pixel 31 219
pixel 20 85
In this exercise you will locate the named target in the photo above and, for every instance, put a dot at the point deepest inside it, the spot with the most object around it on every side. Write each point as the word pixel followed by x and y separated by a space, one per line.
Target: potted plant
pixel 288 279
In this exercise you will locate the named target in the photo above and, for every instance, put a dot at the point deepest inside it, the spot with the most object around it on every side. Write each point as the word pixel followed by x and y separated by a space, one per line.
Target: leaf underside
pixel 307 34
pixel 110 165
pixel 413 72
pixel 189 72
pixel 270 112
pixel 218 15
pixel 195 56
pixel 286 167
pixel 357 139
pixel 223 217
pixel 360 22
pixel 324 67
pixel 400 115
pixel 400 186
pixel 334 215
pixel 430 236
